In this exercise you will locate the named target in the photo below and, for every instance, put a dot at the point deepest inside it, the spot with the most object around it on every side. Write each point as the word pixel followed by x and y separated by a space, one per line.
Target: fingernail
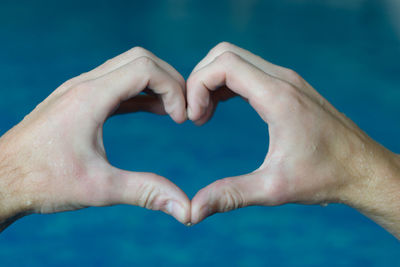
pixel 170 207
pixel 175 209
pixel 188 224
pixel 189 113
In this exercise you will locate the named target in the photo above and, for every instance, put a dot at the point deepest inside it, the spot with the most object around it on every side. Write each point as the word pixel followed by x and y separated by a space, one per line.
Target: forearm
pixel 376 190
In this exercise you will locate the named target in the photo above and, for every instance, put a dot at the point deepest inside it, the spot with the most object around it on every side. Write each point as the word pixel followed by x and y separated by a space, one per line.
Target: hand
pixel 316 155
pixel 54 160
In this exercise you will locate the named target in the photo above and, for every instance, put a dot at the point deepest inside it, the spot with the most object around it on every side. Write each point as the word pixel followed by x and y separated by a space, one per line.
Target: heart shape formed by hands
pixel 290 106
pixel 71 170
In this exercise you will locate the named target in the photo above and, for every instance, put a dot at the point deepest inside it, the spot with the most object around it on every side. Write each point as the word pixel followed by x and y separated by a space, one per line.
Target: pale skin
pixel 54 160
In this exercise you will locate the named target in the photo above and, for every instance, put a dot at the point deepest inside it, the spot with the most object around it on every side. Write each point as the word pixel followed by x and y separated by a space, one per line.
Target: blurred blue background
pixel 349 50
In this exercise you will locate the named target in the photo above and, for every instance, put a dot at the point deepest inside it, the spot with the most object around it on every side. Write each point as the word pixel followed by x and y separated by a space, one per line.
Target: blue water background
pixel 349 50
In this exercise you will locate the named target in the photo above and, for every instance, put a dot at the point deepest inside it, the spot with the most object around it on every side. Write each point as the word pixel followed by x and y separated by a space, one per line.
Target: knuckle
pixel 174 87
pixel 170 96
pixel 229 58
pixel 73 81
pixel 126 57
pixel 80 92
pixel 222 47
pixel 69 83
pixel 266 96
pixel 294 77
pixel 283 98
pixel 83 86
pixel 146 196
pixel 149 196
pixel 231 197
pixel 291 99
pixel 138 50
pixel 286 88
pixel 145 62
pixel 292 94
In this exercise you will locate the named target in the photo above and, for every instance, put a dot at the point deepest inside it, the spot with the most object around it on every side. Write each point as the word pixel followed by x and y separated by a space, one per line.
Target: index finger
pixel 111 89
pixel 264 65
pixel 243 78
pixel 119 61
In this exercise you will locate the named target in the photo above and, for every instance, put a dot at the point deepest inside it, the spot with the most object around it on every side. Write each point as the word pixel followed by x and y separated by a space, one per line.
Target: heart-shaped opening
pixel 233 142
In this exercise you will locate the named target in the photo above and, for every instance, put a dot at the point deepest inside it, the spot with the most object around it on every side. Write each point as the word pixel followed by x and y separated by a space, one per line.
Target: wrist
pixel 374 172
pixel 374 186
pixel 12 206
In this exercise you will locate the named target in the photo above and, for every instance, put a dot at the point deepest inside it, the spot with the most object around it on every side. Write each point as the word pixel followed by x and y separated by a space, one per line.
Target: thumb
pixel 227 194
pixel 150 191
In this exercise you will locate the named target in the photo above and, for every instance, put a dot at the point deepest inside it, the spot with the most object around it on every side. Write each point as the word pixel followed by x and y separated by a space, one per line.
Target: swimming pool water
pixel 348 50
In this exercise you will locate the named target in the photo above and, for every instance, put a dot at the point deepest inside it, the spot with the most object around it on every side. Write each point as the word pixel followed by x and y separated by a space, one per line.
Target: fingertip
pixel 200 214
pixel 225 195
pixel 198 217
pixel 179 211
pixel 195 114
pixel 195 218
pixel 189 113
pixel 200 208
pixel 153 192
pixel 177 109
pixel 192 113
pixel 206 115
pixel 198 99
pixel 179 118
